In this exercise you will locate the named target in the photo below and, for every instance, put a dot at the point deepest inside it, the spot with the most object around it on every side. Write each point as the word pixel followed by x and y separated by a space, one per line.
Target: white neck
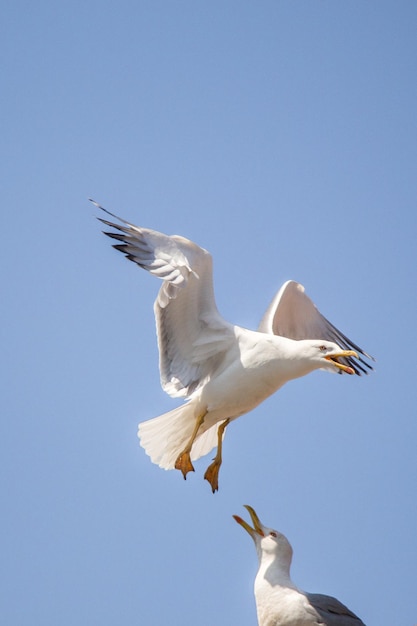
pixel 277 598
pixel 271 573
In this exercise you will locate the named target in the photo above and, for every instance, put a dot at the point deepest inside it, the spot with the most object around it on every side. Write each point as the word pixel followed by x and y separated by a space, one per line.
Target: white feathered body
pixel 253 368
pixel 280 603
pixel 294 608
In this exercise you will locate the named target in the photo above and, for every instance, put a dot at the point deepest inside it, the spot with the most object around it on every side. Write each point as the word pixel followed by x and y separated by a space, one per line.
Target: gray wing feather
pixel 333 612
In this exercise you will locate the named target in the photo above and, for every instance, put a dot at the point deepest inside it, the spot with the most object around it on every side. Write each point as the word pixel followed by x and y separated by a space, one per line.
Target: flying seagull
pixel 220 369
pixel 279 602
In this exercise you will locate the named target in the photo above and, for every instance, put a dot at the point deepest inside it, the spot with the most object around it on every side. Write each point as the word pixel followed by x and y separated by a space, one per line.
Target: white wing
pixel 292 314
pixel 192 336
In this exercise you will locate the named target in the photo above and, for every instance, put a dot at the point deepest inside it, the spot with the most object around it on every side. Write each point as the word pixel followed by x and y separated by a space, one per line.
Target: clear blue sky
pixel 281 136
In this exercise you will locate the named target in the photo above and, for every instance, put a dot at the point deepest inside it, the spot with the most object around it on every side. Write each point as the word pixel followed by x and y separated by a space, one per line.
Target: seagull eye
pixel 273 534
pixel 322 348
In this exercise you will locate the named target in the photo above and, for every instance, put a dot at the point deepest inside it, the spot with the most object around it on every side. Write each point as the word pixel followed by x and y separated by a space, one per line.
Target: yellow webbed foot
pixel 212 475
pixel 184 464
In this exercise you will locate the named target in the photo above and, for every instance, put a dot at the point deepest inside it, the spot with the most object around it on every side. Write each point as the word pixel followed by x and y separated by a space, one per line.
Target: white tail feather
pixel 165 437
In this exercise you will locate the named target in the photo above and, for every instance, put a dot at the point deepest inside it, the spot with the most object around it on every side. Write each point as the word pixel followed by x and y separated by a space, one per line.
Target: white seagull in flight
pixel 222 370
pixel 278 601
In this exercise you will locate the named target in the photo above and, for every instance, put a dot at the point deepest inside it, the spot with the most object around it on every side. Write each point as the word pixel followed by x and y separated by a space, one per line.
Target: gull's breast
pixel 253 370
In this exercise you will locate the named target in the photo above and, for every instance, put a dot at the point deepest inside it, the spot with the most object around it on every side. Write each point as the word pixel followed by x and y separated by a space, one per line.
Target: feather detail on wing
pixel 293 315
pixel 332 611
pixel 192 335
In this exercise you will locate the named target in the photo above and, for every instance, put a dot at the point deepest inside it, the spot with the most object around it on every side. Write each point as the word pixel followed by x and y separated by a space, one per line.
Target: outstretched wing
pixel 292 314
pixel 192 335
pixel 333 612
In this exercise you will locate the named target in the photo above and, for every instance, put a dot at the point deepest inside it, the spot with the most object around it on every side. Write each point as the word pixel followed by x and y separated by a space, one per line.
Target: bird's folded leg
pixel 183 461
pixel 212 472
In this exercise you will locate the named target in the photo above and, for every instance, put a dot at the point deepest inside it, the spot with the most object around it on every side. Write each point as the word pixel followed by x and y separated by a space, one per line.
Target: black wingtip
pixel 117 236
pixel 108 212
pixel 99 206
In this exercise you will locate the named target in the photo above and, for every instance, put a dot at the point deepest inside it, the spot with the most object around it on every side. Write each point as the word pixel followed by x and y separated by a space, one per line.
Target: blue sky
pixel 281 136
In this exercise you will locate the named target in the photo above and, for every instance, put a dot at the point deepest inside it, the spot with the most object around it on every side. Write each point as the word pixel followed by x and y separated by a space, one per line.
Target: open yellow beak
pixel 343 353
pixel 255 521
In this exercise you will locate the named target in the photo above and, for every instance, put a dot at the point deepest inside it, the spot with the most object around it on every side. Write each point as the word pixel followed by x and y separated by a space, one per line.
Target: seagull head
pixel 328 355
pixel 270 544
